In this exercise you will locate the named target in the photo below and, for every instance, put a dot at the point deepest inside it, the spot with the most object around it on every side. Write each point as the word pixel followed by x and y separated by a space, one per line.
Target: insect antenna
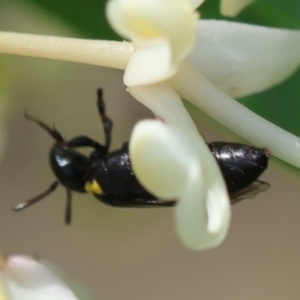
pixel 52 131
pixel 37 198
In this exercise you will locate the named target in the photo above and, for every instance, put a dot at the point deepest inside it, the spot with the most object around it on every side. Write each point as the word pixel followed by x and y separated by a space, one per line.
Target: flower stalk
pixel 111 54
pixel 192 85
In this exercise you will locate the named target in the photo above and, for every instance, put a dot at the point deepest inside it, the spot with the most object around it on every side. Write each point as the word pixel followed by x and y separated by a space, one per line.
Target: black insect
pixel 241 165
pixel 109 177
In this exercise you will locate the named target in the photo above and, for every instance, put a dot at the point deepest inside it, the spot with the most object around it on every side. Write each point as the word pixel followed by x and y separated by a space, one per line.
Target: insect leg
pixel 35 199
pixel 107 122
pixel 84 141
pixel 138 203
pixel 152 203
pixel 68 212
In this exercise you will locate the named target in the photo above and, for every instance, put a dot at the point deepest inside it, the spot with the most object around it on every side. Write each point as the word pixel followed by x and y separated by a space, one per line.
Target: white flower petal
pixel 77 288
pixel 243 59
pixel 193 86
pixel 25 278
pixel 198 231
pixel 160 158
pixel 150 64
pixel 203 213
pixel 231 8
pixel 164 103
pixel 173 163
pixel 163 32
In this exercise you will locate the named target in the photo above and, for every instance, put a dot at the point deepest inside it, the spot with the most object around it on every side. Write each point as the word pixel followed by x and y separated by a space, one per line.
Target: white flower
pixel 172 161
pixel 235 57
pixel 160 46
pixel 147 82
pixel 23 278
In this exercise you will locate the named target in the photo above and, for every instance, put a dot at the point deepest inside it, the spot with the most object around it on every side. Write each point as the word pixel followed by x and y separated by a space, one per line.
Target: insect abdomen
pixel 240 164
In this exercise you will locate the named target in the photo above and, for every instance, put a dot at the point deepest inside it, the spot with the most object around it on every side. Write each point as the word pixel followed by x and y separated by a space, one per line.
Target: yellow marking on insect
pixel 93 187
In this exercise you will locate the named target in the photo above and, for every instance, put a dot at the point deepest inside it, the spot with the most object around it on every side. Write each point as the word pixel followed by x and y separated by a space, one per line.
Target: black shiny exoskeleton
pixel 108 175
pixel 241 165
pixel 239 162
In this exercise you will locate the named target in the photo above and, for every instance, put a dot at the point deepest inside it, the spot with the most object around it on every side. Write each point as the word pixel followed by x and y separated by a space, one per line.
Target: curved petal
pixel 243 59
pixel 203 223
pixel 165 104
pixel 230 8
pixel 163 32
pixel 193 86
pixel 161 157
pixel 77 288
pixel 26 278
pixel 173 163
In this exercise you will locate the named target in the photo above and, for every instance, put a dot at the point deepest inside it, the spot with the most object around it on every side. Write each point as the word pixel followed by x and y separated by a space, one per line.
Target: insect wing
pixel 250 192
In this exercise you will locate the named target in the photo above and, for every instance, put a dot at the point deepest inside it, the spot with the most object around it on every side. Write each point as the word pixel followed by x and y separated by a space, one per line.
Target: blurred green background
pixel 135 254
